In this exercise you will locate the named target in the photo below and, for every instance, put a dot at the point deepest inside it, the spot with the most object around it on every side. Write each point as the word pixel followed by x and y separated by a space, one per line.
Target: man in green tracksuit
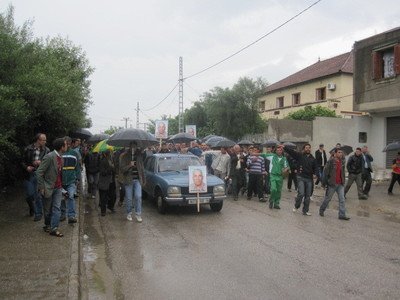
pixel 277 167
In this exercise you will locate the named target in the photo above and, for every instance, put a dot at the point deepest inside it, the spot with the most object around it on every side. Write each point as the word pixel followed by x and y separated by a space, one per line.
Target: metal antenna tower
pixel 180 94
pixel 137 116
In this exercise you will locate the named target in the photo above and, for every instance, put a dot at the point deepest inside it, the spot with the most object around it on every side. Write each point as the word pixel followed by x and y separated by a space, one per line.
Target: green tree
pixel 44 87
pixel 309 113
pixel 112 129
pixel 229 112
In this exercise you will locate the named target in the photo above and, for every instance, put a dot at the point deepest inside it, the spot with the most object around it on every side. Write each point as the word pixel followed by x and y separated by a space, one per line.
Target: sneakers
pixel 262 200
pixel 344 218
pixel 138 218
pixel 294 209
pixel 321 213
pixel 93 197
pixel 306 214
pixel 72 220
pixel 129 217
pixel 277 206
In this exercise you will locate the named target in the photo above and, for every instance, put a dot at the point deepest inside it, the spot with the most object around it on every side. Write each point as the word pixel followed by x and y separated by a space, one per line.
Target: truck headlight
pixel 219 190
pixel 174 191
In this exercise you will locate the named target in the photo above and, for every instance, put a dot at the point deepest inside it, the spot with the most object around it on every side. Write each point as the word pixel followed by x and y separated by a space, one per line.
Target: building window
pixel 320 94
pixel 386 62
pixel 261 106
pixel 362 137
pixel 276 112
pixel 295 99
pixel 280 102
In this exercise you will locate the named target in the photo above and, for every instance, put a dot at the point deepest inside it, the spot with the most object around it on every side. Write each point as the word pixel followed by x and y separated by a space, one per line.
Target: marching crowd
pixel 52 178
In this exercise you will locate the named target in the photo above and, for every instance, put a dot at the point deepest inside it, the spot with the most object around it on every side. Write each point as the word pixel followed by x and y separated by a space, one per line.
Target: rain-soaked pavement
pixel 246 251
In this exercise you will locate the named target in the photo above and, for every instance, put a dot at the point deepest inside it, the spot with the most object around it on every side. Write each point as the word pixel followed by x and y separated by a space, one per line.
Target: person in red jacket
pixel 395 173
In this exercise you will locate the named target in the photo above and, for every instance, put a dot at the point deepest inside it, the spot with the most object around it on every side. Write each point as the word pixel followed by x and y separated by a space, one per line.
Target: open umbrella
pixel 213 140
pixel 392 146
pixel 345 148
pixel 204 139
pixel 225 143
pixel 290 145
pixel 270 143
pixel 245 143
pixel 102 146
pixel 182 137
pixel 81 133
pixel 124 138
pixel 94 139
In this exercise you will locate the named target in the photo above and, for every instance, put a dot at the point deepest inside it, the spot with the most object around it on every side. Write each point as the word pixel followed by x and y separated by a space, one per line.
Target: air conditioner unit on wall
pixel 331 86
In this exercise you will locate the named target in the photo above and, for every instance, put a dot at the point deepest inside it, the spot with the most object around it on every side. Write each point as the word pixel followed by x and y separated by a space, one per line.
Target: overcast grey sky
pixel 134 46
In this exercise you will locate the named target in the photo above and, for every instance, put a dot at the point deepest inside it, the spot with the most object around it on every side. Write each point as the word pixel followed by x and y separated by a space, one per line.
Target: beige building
pixel 328 83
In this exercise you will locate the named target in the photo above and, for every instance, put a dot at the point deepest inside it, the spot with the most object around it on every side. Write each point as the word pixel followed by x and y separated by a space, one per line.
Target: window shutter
pixel 377 65
pixel 397 59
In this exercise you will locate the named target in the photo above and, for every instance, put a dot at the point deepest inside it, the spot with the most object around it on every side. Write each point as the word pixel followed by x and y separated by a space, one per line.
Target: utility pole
pixel 137 116
pixel 126 119
pixel 180 94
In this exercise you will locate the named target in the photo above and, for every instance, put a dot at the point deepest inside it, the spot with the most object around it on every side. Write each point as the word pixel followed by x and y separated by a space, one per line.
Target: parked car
pixel 167 182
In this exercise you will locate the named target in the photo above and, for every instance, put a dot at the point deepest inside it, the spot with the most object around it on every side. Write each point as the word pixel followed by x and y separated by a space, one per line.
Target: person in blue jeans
pixel 49 179
pixel 307 170
pixel 33 155
pixel 333 179
pixel 132 170
pixel 70 177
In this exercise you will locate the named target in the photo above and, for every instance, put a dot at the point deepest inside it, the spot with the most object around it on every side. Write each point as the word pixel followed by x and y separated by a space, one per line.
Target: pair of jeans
pixel 255 185
pixel 133 190
pixel 93 181
pixel 357 178
pixel 32 195
pixel 68 208
pixel 366 179
pixel 331 190
pixel 52 209
pixel 304 191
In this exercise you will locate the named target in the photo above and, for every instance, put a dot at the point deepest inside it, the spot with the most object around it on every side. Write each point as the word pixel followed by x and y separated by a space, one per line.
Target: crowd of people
pixel 53 178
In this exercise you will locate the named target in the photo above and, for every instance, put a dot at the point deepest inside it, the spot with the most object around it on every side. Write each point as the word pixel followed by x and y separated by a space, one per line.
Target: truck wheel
pixel 216 206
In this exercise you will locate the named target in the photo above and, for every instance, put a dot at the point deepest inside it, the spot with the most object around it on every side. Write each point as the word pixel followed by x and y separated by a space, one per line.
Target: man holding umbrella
pixel 132 170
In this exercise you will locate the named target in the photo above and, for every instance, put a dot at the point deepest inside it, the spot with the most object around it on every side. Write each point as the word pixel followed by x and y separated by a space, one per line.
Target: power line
pixel 252 43
pixel 162 99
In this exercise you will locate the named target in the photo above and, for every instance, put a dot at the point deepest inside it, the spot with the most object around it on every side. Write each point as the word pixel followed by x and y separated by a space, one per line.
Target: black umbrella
pixel 124 138
pixel 345 148
pixel 225 143
pixel 213 140
pixel 81 133
pixel 96 138
pixel 207 137
pixel 245 143
pixel 290 145
pixel 392 146
pixel 271 143
pixel 182 137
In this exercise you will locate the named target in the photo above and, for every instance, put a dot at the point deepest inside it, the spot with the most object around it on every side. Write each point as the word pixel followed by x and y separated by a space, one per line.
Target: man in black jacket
pixel 307 170
pixel 33 156
pixel 355 167
pixel 320 156
pixel 366 170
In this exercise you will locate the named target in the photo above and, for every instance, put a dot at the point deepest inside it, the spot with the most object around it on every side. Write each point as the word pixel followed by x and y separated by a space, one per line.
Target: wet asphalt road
pixel 246 251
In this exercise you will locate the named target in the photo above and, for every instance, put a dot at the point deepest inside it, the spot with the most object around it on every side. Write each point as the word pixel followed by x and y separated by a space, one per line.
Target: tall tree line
pixel 44 87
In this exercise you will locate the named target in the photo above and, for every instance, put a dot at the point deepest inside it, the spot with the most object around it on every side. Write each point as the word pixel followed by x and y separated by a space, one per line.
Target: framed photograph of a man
pixel 197 179
pixel 191 129
pixel 161 129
